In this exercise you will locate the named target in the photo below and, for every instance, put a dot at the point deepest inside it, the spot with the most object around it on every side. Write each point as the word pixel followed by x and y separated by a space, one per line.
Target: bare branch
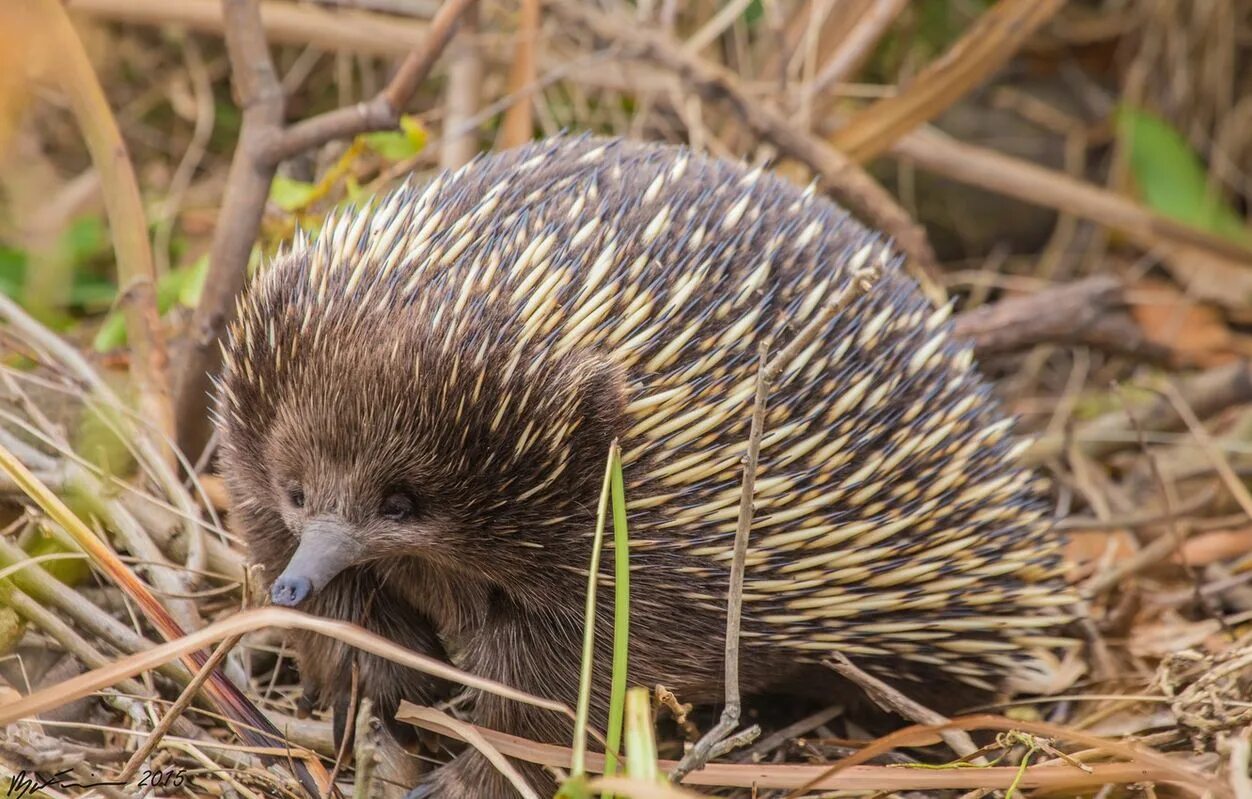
pixel 263 142
pixel 260 95
pixel 383 111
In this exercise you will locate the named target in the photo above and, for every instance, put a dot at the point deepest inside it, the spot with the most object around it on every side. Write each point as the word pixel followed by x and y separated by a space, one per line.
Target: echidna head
pixel 358 432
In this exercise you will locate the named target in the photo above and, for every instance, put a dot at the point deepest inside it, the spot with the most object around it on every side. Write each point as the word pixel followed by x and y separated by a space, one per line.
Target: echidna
pixel 417 407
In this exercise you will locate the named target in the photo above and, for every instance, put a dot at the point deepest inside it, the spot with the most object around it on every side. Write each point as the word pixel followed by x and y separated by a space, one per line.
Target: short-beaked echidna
pixel 417 407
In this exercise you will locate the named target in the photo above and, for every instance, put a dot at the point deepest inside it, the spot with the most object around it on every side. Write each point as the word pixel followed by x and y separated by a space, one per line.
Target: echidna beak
pixel 326 548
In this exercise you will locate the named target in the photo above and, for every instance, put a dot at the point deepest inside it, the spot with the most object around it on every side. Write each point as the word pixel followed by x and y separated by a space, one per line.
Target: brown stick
pixel 464 94
pixel 1206 394
pixel 263 142
pixel 259 94
pixel 891 699
pixel 127 222
pixel 837 174
pixel 518 125
pixel 176 710
pixel 986 46
pixel 1089 311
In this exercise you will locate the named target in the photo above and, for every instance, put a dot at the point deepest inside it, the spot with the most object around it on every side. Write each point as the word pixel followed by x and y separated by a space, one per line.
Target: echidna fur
pixel 476 344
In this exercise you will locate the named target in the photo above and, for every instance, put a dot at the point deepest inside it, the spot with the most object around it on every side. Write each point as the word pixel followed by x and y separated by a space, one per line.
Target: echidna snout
pixel 327 547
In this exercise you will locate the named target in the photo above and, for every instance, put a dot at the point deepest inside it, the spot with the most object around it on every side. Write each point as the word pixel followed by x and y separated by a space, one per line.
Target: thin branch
pixel 891 699
pixel 865 268
pixel 383 111
pixel 1003 174
pixel 176 710
pixel 857 45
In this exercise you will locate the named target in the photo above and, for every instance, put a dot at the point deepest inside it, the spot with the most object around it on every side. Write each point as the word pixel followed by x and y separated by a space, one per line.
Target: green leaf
pixel 181 286
pixel 754 12
pixel 68 566
pixel 291 195
pixel 84 239
pixel 352 187
pixel 12 271
pixel 1173 179
pixel 621 610
pixel 397 145
pixel 193 286
pixel 641 754
pixel 112 333
pixel 92 292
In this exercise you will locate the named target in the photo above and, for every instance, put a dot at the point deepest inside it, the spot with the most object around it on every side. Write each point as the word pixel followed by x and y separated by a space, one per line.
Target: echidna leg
pixel 537 651
pixel 327 665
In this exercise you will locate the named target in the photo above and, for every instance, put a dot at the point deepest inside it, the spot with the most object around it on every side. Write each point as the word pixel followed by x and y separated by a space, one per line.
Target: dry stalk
pixel 464 94
pixel 990 42
pixel 282 21
pixel 127 222
pixel 518 125
pixel 856 45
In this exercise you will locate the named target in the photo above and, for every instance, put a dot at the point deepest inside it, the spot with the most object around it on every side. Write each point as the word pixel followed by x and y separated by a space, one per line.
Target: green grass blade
pixel 578 768
pixel 621 610
pixel 641 762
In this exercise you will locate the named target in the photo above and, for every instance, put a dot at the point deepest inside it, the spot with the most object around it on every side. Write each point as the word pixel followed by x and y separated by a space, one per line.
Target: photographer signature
pixel 25 783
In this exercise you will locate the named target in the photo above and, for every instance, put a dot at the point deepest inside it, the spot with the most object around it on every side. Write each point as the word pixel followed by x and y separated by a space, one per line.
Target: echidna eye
pixel 295 495
pixel 398 506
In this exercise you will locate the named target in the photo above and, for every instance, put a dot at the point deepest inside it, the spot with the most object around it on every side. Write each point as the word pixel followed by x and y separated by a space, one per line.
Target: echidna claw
pixel 422 791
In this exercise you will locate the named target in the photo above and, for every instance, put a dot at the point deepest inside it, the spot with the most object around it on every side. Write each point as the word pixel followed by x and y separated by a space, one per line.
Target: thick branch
pixel 1090 311
pixel 263 142
pixel 260 95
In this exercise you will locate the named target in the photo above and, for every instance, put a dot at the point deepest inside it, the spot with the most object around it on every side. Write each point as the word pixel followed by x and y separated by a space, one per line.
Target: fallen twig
pixel 1145 766
pixel 889 698
pixel 1091 311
